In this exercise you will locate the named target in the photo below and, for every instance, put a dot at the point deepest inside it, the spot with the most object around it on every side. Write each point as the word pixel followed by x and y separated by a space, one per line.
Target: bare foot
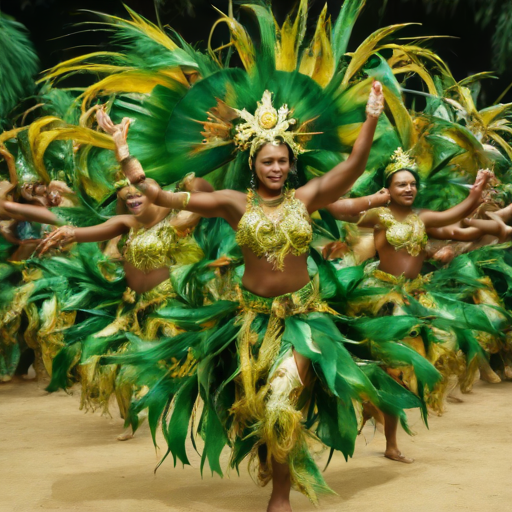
pixel 126 436
pixel 278 504
pixel 397 456
pixel 508 372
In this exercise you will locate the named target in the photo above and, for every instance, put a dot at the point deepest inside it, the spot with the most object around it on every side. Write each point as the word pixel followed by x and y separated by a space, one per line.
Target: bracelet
pixel 186 201
pixel 118 185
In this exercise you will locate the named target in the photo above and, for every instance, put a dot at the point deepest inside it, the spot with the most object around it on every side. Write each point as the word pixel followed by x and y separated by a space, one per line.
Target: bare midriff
pixel 397 262
pixel 262 279
pixel 141 282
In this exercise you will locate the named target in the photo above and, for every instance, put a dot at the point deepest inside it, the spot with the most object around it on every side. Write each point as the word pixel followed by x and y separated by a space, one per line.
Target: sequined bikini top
pixel 274 232
pixel 408 234
pixel 160 246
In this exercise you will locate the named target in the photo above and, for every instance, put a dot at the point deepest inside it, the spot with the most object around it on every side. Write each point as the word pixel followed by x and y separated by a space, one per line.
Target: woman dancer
pixel 158 238
pixel 274 373
pixel 400 234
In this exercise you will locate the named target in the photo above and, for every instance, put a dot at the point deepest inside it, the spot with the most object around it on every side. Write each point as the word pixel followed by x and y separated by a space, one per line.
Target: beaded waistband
pixel 301 301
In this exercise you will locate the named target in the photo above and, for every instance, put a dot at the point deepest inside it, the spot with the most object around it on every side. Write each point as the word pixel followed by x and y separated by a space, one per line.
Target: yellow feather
pixel 367 48
pixel 81 58
pixel 239 38
pixel 40 140
pixel 348 133
pixel 488 115
pixel 142 82
pixel 289 39
pixel 502 142
pixel 144 26
pixel 318 60
pixel 403 121
pixel 10 134
pixel 91 68
pixel 421 72
pixel 97 190
pixel 151 30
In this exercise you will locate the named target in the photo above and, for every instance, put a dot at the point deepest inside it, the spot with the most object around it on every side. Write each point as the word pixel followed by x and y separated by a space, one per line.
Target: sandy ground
pixel 55 457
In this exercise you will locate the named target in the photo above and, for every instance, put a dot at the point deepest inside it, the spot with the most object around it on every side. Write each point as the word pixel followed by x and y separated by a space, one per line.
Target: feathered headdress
pixel 267 125
pixel 400 161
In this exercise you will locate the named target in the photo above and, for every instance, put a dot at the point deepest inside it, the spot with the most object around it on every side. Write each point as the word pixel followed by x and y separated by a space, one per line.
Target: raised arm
pixel 350 210
pixel 64 235
pixel 28 212
pixel 203 200
pixel 463 209
pixel 320 192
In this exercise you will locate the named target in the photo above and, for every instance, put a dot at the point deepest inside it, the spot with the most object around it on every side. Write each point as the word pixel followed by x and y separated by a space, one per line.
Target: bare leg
pixel 390 429
pixel 281 485
pixel 487 374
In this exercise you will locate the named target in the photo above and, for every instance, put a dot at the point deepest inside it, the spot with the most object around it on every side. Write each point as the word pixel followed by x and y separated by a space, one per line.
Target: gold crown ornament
pixel 400 160
pixel 267 125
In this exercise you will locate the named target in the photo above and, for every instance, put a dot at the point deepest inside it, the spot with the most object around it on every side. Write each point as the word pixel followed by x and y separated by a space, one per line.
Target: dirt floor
pixel 55 457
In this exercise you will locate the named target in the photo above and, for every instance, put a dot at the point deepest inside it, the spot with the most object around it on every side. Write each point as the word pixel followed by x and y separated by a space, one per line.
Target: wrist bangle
pixel 186 200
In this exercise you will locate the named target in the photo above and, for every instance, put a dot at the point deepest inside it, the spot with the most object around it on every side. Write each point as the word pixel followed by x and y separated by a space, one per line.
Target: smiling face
pixel 272 165
pixel 136 202
pixel 403 188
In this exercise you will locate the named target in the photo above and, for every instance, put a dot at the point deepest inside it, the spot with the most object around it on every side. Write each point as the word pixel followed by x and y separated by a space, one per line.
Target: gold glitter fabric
pixel 149 249
pixel 275 232
pixel 408 234
pixel 442 352
pixel 269 385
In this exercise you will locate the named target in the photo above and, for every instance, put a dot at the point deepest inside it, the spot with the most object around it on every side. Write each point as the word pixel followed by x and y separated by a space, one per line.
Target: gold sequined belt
pixel 409 285
pixel 162 291
pixel 305 300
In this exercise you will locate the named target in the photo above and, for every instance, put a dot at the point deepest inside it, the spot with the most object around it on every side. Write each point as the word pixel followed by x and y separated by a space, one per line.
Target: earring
pixel 253 181
pixel 293 168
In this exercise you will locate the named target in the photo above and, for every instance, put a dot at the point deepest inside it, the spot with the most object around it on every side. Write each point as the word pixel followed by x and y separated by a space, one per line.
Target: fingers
pixel 125 125
pixel 104 121
pixel 377 87
pixel 57 238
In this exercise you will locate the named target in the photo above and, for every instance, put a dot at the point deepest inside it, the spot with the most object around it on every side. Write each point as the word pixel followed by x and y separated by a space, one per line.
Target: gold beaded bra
pixel 274 232
pixel 408 234
pixel 160 246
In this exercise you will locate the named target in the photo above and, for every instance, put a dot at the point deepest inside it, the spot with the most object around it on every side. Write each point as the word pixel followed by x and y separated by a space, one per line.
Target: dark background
pixel 471 52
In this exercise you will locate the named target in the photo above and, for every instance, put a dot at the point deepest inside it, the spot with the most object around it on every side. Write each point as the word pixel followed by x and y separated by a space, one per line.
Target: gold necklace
pixel 270 202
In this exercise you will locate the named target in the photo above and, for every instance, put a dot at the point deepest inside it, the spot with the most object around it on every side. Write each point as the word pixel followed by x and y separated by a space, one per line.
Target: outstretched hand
pixel 60 237
pixel 482 178
pixel 375 104
pixel 119 132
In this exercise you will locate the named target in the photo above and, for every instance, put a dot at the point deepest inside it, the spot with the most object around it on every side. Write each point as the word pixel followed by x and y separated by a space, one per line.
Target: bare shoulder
pixel 129 221
pixel 232 197
pixel 304 193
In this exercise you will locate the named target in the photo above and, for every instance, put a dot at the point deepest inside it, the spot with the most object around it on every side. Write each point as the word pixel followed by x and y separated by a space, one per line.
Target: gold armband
pixel 186 200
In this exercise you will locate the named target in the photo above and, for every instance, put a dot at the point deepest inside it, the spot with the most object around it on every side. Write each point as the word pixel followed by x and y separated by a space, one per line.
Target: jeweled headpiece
pixel 267 125
pixel 400 160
